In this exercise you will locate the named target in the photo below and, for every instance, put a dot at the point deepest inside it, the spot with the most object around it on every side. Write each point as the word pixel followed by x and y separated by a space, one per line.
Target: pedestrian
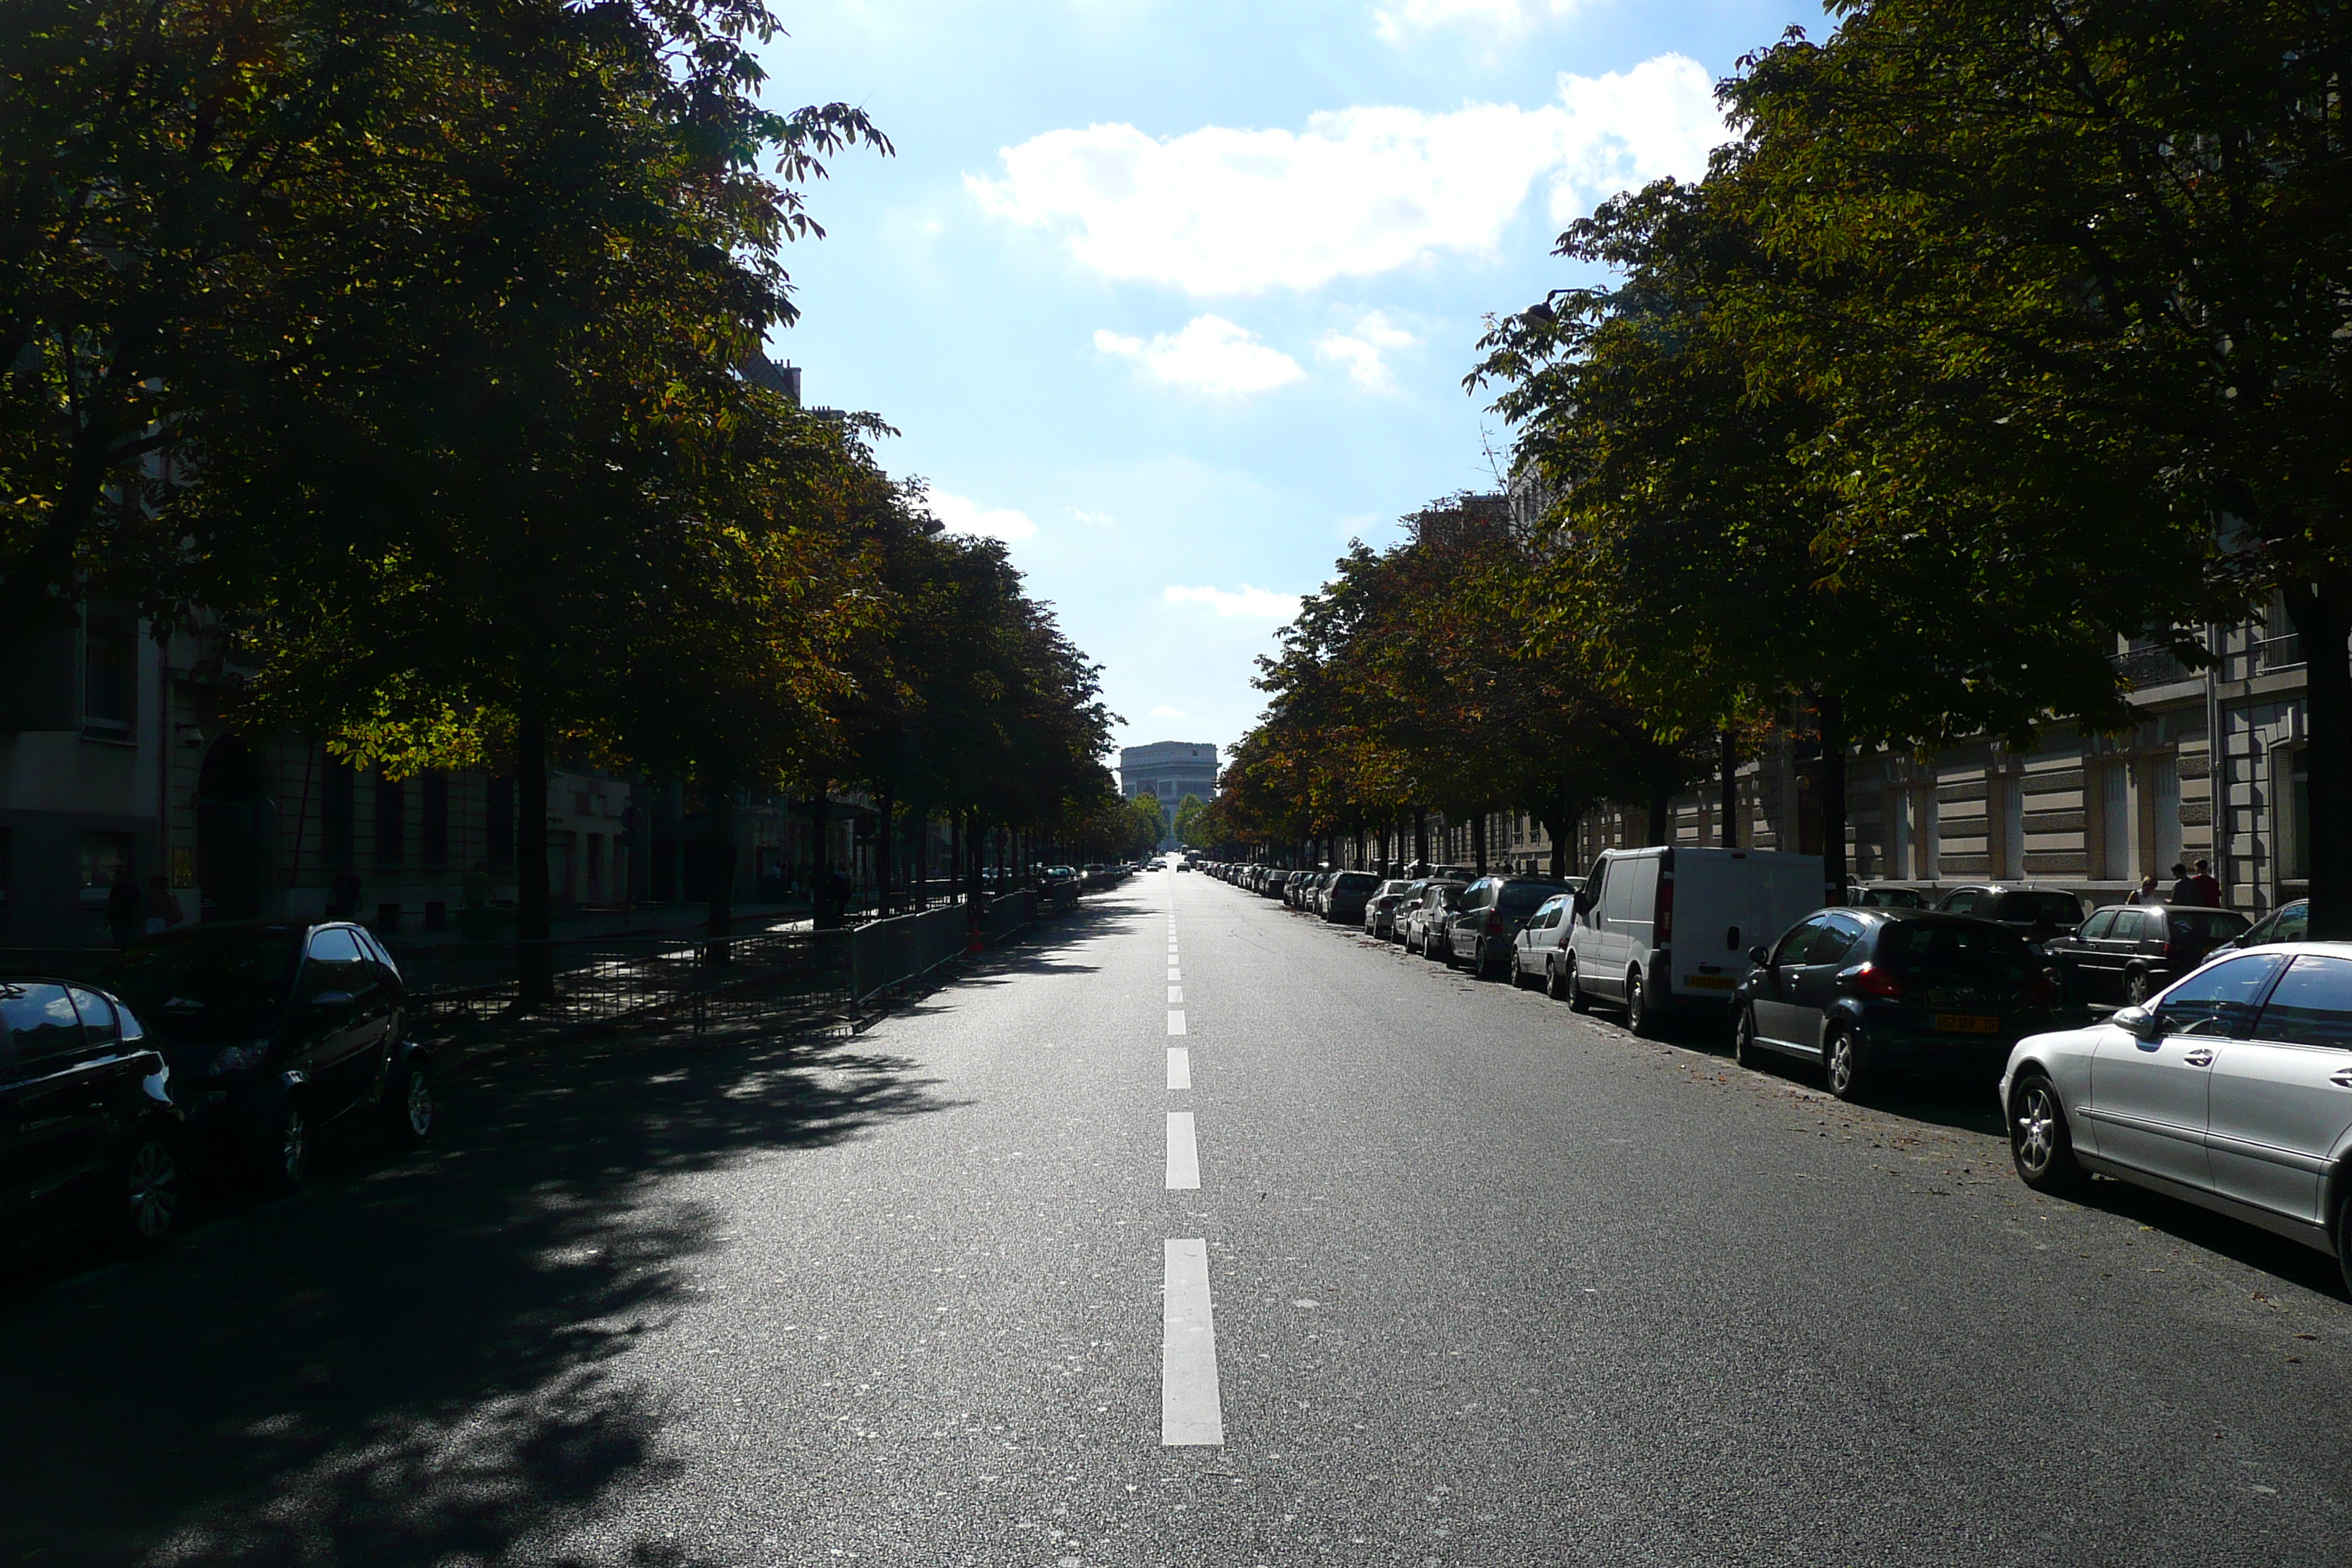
pixel 125 906
pixel 2149 894
pixel 163 906
pixel 2208 890
pixel 2184 890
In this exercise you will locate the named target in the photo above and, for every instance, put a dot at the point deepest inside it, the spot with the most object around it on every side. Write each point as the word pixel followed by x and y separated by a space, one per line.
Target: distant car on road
pixel 1379 910
pixel 276 1031
pixel 1424 922
pixel 2232 1089
pixel 87 1121
pixel 1345 895
pixel 1877 994
pixel 2038 913
pixel 2288 923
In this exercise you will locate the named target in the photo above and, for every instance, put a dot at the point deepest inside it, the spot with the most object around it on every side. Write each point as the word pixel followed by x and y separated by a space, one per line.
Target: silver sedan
pixel 2231 1088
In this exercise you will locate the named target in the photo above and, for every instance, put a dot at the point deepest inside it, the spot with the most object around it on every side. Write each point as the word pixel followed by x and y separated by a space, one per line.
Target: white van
pixel 1666 926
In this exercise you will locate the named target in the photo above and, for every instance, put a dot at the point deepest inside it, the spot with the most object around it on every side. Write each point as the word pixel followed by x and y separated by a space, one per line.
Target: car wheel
pixel 285 1152
pixel 1744 1048
pixel 152 1191
pixel 2135 987
pixel 1637 1005
pixel 1554 986
pixel 1842 1064
pixel 1579 999
pixel 1518 972
pixel 2039 1142
pixel 408 1112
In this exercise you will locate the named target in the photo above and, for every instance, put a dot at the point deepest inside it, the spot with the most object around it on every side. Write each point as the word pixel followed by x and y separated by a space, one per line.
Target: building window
pixel 2164 813
pixel 337 817
pixel 2116 860
pixel 2294 844
pixel 102 855
pixel 434 830
pixel 110 668
pixel 391 821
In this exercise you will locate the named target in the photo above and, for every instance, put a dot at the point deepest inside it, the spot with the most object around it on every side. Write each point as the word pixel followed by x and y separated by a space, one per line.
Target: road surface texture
pixel 1387 1266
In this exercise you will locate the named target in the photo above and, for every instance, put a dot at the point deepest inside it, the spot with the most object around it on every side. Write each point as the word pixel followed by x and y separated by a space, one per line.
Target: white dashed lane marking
pixel 1175 994
pixel 1179 1068
pixel 1192 1413
pixel 1176 1021
pixel 1175 974
pixel 1183 1154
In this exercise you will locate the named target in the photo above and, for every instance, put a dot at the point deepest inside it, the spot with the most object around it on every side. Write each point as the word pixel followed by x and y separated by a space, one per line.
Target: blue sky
pixel 1177 295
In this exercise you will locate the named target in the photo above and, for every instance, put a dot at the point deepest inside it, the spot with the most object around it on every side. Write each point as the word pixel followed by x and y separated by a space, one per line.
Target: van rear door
pixel 1728 901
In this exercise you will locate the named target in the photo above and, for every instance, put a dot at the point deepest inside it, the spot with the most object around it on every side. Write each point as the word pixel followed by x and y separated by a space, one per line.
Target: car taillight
pixel 1665 911
pixel 1872 980
pixel 1494 922
pixel 2042 992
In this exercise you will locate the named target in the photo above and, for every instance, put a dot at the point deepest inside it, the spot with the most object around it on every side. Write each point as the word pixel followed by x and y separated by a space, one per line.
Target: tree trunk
pixel 885 832
pixel 1661 825
pixel 534 960
pixel 2322 614
pixel 1419 836
pixel 1558 827
pixel 1830 786
pixel 1728 764
pixel 719 865
pixel 955 856
pixel 1478 841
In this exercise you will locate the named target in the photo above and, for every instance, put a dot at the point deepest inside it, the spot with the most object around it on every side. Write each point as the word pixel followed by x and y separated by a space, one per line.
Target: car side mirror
pixel 2137 1022
pixel 1760 955
pixel 1583 901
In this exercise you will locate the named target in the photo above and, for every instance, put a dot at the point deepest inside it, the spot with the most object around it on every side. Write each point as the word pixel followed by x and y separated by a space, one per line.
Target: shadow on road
pixel 422 1360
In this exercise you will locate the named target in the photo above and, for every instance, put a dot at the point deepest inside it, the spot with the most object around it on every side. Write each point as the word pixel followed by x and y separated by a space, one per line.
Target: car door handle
pixel 2200 1058
pixel 2341 1079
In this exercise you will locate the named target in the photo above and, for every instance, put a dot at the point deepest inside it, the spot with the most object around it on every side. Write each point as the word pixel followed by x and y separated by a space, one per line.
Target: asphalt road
pixel 1488 1284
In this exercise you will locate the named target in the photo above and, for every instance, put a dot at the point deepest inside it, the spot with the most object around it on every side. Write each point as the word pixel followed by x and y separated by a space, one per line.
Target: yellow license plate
pixel 1967 1023
pixel 1708 982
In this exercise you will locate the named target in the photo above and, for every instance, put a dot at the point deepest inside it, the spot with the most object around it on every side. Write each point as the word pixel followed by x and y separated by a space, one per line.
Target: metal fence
pixel 903 946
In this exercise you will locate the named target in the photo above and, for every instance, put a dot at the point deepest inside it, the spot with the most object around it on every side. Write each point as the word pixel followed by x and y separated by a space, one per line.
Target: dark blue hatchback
pixel 1883 993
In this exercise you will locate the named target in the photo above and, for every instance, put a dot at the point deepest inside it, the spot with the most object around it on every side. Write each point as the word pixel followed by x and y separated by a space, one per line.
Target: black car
pixel 1872 994
pixel 1483 929
pixel 2038 914
pixel 275 1030
pixel 86 1115
pixel 2130 952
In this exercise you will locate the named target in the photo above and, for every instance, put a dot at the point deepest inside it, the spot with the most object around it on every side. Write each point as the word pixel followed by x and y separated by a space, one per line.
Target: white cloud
pixel 1258 604
pixel 1495 18
pixel 961 514
pixel 1359 192
pixel 1211 354
pixel 1360 348
pixel 1164 712
pixel 1094 519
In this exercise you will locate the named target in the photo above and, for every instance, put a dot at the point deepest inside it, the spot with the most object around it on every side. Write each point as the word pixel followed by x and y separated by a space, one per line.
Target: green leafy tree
pixel 1189 812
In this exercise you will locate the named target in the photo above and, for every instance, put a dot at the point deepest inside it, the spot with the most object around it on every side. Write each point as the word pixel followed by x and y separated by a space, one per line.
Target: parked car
pixel 1345 896
pixel 2128 952
pixel 2288 923
pixel 1540 951
pixel 276 1031
pixel 1622 945
pixel 1483 926
pixel 2232 1089
pixel 1424 922
pixel 1379 910
pixel 2040 913
pixel 1875 993
pixel 86 1119
pixel 1884 898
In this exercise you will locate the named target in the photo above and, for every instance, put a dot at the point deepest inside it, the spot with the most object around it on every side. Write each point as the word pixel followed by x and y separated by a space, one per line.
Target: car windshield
pixel 2208 925
pixel 1934 956
pixel 209 973
pixel 1523 898
pixel 2039 909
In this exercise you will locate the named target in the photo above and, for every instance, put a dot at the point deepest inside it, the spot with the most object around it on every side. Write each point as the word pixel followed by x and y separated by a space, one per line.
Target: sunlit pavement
pixel 1190 1232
